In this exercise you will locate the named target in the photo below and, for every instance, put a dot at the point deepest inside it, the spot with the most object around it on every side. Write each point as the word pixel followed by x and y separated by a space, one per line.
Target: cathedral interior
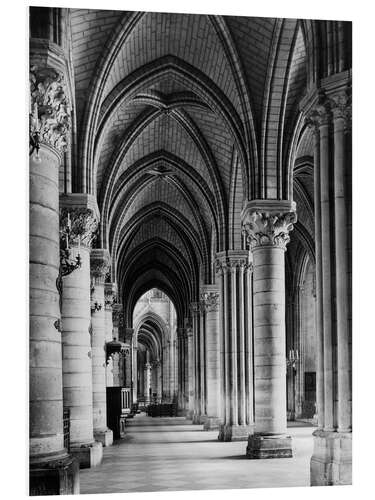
pixel 190 239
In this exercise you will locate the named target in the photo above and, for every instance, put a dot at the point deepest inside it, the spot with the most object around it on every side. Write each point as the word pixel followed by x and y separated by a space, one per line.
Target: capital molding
pixel 83 213
pixel 267 223
pixel 50 115
pixel 99 264
pixel 195 308
pixel 110 295
pixel 231 260
pixel 210 301
pixel 128 334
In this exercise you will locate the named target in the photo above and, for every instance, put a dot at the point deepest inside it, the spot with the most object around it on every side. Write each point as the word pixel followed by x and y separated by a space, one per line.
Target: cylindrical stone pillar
pixel 344 410
pixel 190 342
pixel 267 224
pixel 52 470
pixel 99 266
pixel 76 319
pixel 326 235
pixel 212 349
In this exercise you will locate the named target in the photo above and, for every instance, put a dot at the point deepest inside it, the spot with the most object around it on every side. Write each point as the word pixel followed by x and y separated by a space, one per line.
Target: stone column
pixel 147 378
pixel 210 301
pixel 99 266
pixel 232 266
pixel 181 368
pixel 267 224
pixel 341 111
pixel 52 470
pixel 331 462
pixel 191 384
pixel 128 337
pixel 76 316
pixel 195 309
pixel 135 373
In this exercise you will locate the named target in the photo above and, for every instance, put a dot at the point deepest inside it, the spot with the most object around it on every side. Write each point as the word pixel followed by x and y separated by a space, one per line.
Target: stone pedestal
pixel 55 477
pixel 228 432
pixel 52 470
pixel 273 446
pixel 331 463
pixel 267 224
pixel 99 266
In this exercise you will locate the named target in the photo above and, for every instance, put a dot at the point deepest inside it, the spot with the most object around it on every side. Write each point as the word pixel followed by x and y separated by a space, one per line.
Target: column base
pixel 105 437
pixel 211 423
pixel 269 446
pixel 229 432
pixel 88 455
pixel 331 462
pixel 54 477
pixel 182 412
pixel 199 419
pixel 190 415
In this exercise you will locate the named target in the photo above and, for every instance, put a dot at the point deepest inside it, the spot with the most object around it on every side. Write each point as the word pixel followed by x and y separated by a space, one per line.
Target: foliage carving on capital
pixel 110 298
pixel 83 225
pixel 320 114
pixel 51 115
pixel 210 301
pixel 265 229
pixel 195 308
pixel 99 264
pixel 341 106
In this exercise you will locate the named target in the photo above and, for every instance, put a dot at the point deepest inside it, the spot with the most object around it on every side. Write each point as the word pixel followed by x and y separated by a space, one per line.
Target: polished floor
pixel 160 454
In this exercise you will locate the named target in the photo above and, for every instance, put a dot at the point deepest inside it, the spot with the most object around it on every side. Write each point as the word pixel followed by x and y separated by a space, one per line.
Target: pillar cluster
pixel 329 116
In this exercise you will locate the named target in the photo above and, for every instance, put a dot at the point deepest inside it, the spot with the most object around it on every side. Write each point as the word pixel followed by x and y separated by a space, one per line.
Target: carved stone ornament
pixel 83 222
pixel 110 299
pixel 211 301
pixel 195 308
pixel 51 116
pixel 341 106
pixel 320 114
pixel 265 229
pixel 99 264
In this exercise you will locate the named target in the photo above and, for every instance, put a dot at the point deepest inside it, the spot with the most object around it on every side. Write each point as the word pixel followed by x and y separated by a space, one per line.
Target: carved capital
pixel 128 335
pixel 341 106
pixel 267 224
pixel 320 114
pixel 210 301
pixel 117 315
pixel 195 308
pixel 50 116
pixel 99 264
pixel 81 223
pixel 110 295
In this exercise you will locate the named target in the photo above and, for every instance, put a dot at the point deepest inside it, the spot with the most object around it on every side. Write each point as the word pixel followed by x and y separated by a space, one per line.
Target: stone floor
pixel 160 454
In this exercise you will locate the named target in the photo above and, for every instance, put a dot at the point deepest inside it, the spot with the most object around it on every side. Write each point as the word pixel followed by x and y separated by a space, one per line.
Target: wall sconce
pixel 67 264
pixel 292 359
pixel 34 141
pixel 96 307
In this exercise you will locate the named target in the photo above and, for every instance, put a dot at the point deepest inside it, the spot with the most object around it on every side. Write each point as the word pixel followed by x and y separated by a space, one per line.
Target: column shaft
pixel 46 398
pixel 342 299
pixel 326 274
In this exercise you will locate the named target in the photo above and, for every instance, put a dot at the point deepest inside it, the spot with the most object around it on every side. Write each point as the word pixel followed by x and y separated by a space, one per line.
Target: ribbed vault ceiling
pixel 180 118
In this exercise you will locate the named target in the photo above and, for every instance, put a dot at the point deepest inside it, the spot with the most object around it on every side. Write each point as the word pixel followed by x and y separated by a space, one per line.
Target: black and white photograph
pixel 189 248
pixel 190 251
